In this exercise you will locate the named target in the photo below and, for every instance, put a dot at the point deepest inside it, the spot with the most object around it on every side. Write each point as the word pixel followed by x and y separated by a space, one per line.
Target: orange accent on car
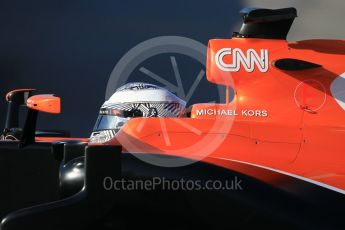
pixel 45 103
pixel 53 139
pixel 286 120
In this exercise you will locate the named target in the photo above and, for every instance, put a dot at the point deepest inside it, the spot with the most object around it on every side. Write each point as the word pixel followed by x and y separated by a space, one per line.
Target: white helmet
pixel 134 100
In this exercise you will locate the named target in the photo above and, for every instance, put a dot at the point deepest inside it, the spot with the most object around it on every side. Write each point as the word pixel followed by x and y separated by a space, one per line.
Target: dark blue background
pixel 70 47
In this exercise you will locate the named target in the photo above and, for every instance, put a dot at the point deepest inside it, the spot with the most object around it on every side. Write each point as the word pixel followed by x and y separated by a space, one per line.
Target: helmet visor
pixel 107 122
pixel 112 118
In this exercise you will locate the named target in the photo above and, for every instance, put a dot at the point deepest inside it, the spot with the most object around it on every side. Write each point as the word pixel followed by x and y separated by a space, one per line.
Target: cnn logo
pixel 248 60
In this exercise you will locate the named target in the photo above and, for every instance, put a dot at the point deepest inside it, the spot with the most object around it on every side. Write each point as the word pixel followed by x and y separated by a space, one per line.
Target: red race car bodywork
pixel 286 114
pixel 282 133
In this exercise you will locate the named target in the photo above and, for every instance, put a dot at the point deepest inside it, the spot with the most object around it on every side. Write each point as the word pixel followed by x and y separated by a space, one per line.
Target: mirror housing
pixel 46 103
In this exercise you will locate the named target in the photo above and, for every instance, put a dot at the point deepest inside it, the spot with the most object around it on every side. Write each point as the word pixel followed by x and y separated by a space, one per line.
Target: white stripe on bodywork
pixel 338 90
pixel 291 175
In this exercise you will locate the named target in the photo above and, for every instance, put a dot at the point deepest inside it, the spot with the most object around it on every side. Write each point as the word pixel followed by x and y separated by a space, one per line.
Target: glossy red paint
pixel 294 130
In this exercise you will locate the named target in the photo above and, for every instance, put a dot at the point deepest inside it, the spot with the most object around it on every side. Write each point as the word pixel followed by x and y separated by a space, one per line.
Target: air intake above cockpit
pixel 266 23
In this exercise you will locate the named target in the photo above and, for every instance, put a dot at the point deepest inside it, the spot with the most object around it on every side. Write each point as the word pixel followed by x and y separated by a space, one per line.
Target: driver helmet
pixel 132 100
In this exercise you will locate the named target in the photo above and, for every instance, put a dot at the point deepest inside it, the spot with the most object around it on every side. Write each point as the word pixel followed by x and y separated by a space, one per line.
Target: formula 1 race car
pixel 150 162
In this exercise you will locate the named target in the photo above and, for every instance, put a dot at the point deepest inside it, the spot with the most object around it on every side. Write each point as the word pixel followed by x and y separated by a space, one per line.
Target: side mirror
pixel 45 103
